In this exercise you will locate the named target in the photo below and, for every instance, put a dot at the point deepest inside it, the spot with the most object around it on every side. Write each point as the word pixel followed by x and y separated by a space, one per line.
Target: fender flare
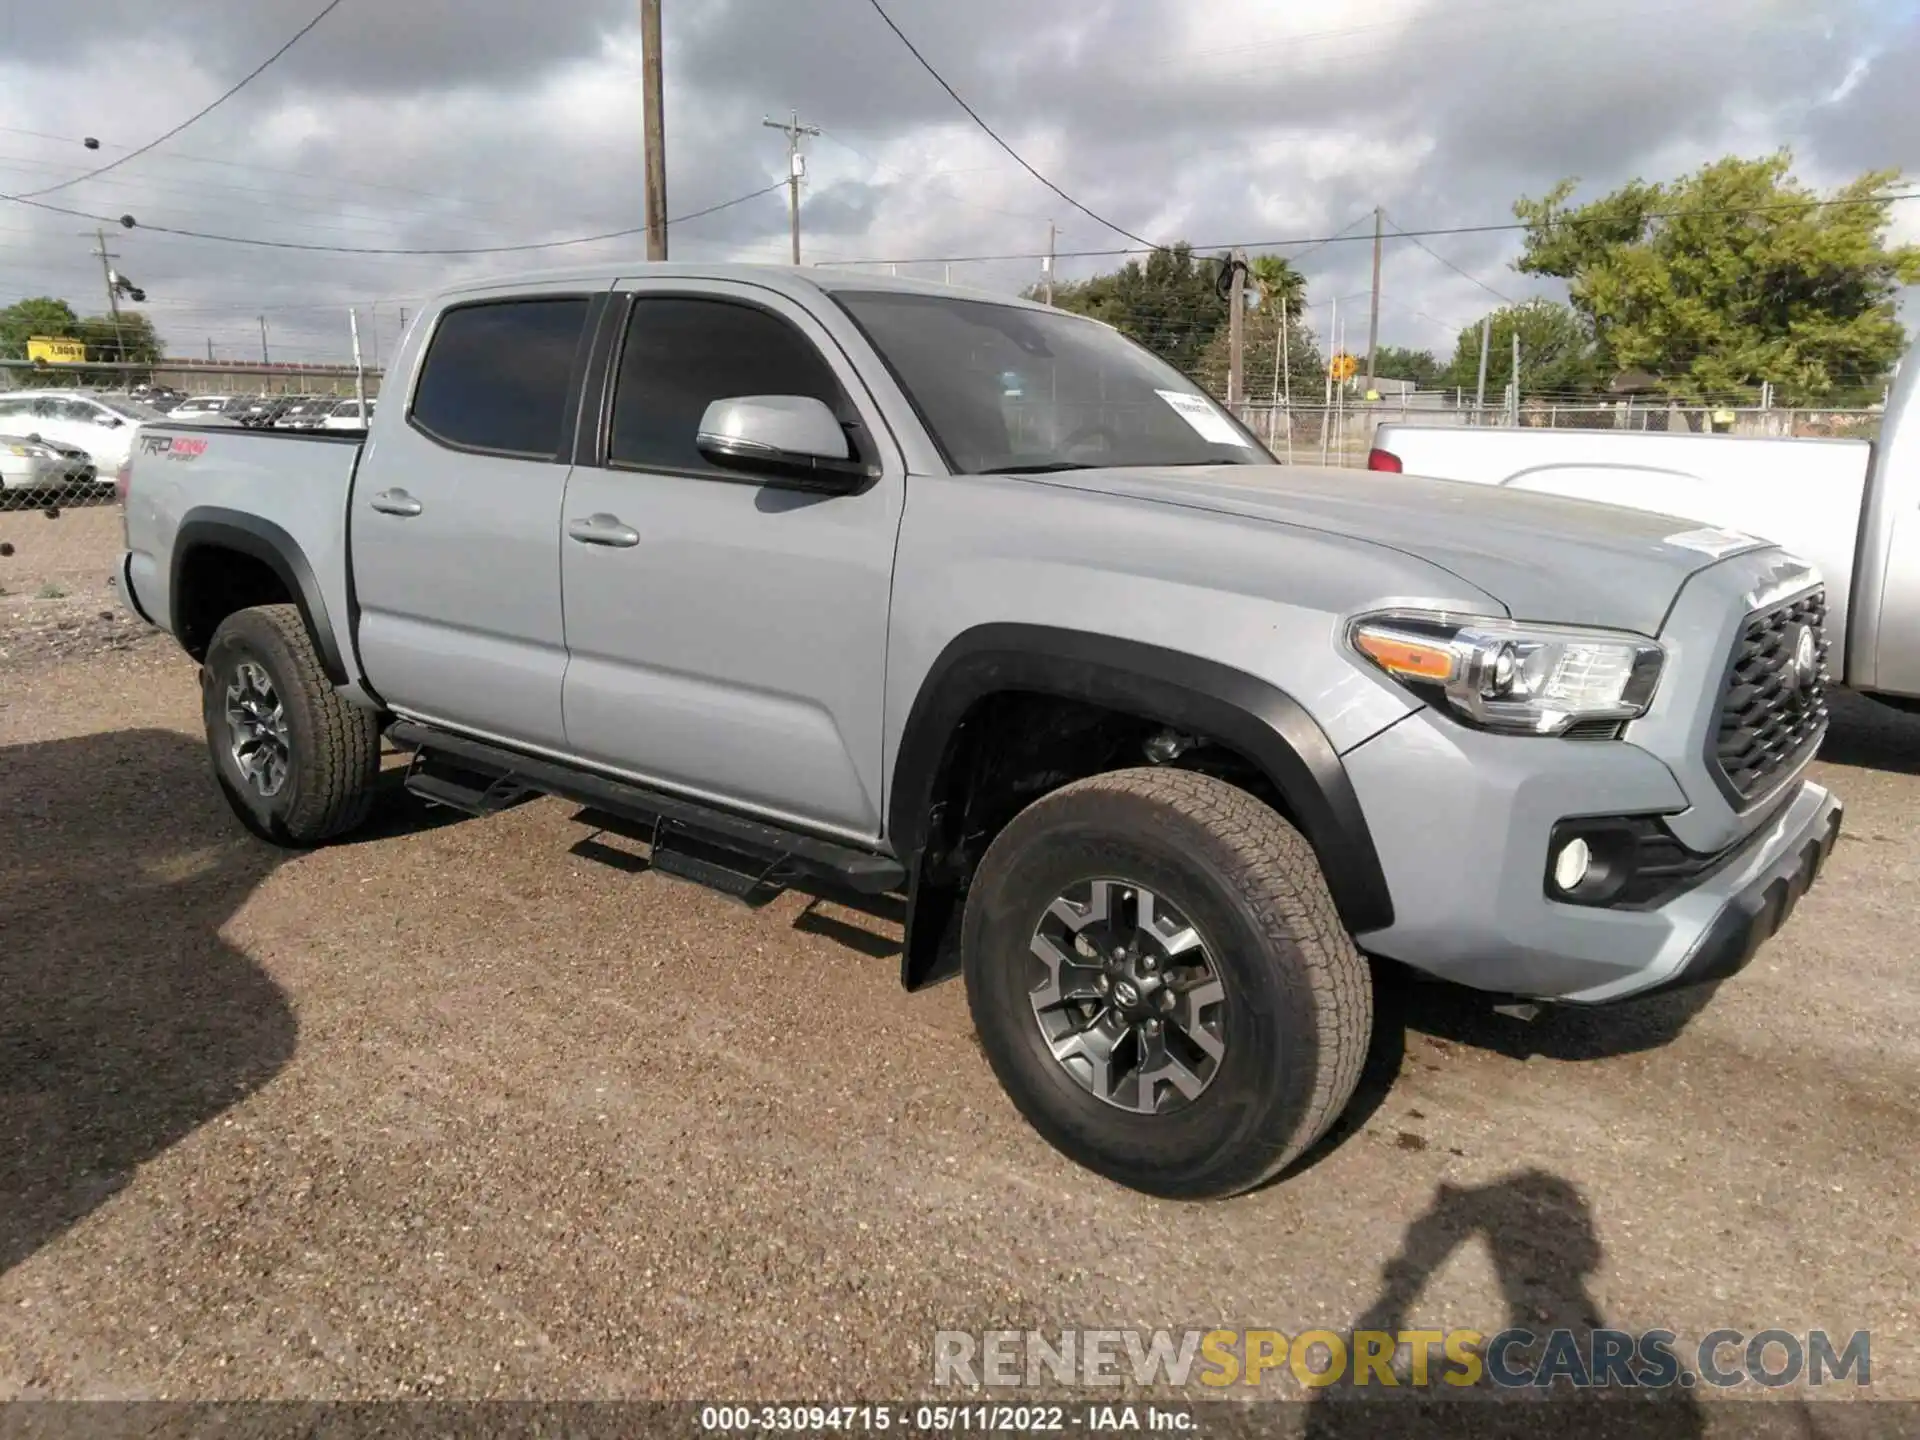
pixel 211 526
pixel 1261 722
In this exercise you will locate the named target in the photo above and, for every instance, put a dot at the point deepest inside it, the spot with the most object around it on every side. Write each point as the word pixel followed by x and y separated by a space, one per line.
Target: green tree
pixel 1731 276
pixel 1304 369
pixel 42 315
pixel 1396 362
pixel 131 338
pixel 1557 352
pixel 1171 303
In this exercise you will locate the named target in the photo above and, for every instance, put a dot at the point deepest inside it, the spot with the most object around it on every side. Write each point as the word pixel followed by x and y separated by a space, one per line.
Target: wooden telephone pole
pixel 652 91
pixel 796 167
pixel 1236 327
pixel 1373 317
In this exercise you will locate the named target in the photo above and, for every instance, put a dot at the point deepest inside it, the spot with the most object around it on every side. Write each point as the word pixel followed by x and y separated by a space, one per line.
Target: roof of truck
pixel 785 278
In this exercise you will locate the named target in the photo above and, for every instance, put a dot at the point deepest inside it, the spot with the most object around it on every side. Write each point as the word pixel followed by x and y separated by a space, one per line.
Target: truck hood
pixel 1544 557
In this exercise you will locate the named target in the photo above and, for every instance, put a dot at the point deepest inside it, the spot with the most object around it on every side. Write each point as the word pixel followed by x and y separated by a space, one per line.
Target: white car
pixel 307 414
pixel 196 408
pixel 104 428
pixel 346 416
pixel 41 465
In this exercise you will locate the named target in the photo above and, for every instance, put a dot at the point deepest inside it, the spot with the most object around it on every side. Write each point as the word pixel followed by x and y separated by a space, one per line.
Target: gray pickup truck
pixel 832 580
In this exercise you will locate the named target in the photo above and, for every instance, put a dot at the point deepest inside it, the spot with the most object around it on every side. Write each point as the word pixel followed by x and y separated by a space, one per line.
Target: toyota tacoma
pixel 882 585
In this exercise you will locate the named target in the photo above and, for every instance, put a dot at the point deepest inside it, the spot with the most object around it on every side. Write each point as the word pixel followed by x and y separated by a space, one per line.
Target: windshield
pixel 1008 388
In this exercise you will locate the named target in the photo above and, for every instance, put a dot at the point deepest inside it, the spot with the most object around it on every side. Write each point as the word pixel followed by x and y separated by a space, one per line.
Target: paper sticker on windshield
pixel 1713 542
pixel 1207 422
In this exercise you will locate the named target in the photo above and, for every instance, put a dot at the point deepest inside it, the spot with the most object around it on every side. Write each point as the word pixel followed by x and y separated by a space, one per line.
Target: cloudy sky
pixel 444 123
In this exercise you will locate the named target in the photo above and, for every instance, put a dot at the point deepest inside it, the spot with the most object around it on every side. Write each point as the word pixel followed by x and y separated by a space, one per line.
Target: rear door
pixel 455 520
pixel 732 645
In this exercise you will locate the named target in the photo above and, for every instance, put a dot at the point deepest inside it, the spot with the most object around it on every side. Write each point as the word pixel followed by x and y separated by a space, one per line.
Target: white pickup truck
pixel 1850 508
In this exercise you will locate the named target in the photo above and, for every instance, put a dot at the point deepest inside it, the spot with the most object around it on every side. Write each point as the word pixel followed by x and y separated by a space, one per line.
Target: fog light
pixel 1571 865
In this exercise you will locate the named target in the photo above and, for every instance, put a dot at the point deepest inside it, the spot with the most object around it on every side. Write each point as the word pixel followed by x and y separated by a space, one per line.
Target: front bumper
pixel 1462 821
pixel 1761 906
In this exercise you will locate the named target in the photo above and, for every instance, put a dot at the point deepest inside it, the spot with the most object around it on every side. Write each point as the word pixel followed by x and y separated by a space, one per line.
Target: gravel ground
pixel 484 1109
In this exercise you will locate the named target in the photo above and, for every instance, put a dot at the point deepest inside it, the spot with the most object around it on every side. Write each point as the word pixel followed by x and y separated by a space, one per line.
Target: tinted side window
pixel 682 354
pixel 496 376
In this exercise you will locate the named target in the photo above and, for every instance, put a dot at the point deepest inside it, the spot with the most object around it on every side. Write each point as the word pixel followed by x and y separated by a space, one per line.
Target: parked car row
pixel 272 412
pixel 62 439
pixel 75 441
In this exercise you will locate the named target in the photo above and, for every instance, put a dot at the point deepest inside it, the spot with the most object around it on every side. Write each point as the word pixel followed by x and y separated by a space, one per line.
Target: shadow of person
pixel 1544 1246
pixel 126 1022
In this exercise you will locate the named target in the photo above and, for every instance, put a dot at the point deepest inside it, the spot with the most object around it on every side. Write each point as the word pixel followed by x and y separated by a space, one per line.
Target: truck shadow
pixel 1455 1015
pixel 1870 736
pixel 1408 1003
pixel 126 1022
pixel 815 919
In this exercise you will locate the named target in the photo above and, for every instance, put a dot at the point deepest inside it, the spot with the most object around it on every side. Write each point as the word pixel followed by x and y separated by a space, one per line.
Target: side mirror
pixel 792 437
pixel 111 422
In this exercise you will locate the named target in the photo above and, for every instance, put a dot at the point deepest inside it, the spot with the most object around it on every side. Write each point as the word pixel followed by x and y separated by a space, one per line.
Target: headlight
pixel 1503 675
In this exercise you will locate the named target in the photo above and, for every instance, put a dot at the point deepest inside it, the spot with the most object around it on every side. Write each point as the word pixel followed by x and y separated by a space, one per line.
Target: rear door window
pixel 496 376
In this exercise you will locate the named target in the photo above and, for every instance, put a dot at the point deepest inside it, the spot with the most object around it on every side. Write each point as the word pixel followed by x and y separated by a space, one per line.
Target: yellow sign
pixel 1343 367
pixel 56 352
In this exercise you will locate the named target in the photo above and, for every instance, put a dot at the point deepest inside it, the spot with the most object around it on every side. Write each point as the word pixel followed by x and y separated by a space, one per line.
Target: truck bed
pixel 259 481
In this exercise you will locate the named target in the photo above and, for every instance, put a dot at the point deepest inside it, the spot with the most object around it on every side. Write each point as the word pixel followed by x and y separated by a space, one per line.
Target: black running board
pixel 479 777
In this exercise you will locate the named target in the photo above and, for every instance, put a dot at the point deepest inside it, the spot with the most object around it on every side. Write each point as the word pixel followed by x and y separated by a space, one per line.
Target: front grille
pixel 1771 712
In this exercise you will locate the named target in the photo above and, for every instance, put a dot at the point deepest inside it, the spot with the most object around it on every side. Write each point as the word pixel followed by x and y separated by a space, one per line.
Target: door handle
pixel 396 502
pixel 603 529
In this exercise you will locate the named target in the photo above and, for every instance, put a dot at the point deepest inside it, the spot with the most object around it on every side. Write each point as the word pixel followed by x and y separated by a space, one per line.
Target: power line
pixel 204 110
pixel 1318 240
pixel 994 136
pixel 384 249
pixel 1506 299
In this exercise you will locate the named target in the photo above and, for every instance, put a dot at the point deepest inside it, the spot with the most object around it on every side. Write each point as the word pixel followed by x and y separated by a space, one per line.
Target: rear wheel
pixel 296 762
pixel 1161 981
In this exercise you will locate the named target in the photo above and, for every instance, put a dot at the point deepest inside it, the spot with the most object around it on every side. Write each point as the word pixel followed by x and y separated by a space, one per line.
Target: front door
pixel 455 523
pixel 727 636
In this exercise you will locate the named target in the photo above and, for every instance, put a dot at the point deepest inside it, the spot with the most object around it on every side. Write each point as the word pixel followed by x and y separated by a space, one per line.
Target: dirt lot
pixel 476 1109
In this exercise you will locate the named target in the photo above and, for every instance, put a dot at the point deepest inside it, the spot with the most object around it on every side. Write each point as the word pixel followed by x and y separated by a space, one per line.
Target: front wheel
pixel 296 762
pixel 1162 984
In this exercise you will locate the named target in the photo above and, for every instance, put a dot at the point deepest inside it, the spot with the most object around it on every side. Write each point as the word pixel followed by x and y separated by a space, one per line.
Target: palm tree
pixel 1279 286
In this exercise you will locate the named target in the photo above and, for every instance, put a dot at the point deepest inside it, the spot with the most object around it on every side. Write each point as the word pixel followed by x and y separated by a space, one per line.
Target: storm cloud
pixel 441 123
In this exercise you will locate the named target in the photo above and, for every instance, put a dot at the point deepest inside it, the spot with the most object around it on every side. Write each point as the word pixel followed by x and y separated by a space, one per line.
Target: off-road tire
pixel 1299 999
pixel 334 746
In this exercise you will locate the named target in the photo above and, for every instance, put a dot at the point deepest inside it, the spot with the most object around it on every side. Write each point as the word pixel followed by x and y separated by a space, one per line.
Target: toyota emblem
pixel 1806 658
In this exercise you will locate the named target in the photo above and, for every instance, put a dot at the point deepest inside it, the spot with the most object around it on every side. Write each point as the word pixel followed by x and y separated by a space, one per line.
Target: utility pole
pixel 263 341
pixel 1486 344
pixel 1373 320
pixel 359 375
pixel 1236 326
pixel 1046 268
pixel 652 90
pixel 209 349
pixel 1516 375
pixel 107 258
pixel 796 167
